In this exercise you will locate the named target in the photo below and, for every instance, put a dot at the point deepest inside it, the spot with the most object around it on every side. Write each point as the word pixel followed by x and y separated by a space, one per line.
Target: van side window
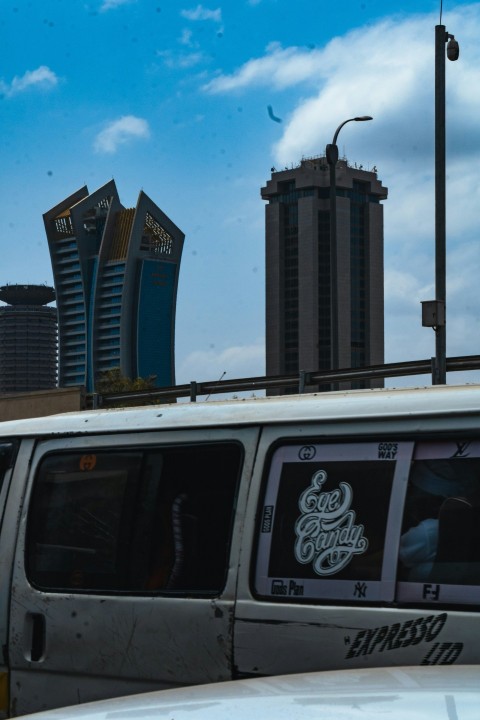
pixel 146 520
pixel 440 540
pixel 324 521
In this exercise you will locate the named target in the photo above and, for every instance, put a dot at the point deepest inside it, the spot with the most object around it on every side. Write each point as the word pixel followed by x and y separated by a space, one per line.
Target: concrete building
pixel 299 317
pixel 116 272
pixel 28 339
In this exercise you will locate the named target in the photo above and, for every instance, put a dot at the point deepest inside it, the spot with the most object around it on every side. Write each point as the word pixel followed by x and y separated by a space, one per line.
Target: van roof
pixel 339 406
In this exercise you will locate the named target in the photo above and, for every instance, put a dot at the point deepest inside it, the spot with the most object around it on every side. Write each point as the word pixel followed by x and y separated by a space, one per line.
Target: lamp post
pixel 439 372
pixel 331 153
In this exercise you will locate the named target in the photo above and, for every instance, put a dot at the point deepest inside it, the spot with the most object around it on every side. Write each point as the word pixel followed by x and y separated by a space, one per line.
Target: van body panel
pixel 342 638
pixel 130 641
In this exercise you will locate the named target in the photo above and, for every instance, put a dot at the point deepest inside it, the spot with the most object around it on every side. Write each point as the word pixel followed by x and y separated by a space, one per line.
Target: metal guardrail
pixel 301 381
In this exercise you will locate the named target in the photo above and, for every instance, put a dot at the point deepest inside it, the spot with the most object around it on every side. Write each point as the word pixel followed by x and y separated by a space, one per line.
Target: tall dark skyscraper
pixel 298 274
pixel 28 338
pixel 116 275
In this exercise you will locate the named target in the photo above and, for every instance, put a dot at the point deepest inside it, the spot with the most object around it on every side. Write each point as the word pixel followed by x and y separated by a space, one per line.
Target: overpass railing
pixel 298 382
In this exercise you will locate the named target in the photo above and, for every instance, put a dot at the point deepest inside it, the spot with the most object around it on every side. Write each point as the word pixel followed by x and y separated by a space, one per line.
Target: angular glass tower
pixel 116 273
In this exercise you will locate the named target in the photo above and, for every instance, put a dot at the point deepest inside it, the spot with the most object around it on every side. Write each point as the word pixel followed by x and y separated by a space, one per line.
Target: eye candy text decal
pixel 326 532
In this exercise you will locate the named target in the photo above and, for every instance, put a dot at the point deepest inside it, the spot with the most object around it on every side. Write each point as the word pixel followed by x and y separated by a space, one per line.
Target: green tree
pixel 112 381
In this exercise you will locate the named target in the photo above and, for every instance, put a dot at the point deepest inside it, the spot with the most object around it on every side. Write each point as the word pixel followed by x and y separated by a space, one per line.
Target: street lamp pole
pixel 331 153
pixel 439 374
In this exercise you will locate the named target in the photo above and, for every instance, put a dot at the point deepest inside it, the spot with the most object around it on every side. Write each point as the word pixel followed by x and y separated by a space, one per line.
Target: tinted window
pixel 439 554
pixel 149 520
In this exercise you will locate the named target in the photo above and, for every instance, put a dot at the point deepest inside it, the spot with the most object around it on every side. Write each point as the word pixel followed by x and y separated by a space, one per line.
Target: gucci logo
pixel 307 452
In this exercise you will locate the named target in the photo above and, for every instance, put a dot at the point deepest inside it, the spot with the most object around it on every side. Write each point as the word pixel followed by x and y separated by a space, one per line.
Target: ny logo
pixel 360 590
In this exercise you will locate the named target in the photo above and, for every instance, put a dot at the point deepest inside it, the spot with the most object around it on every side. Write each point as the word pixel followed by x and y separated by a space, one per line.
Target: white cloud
pixel 279 68
pixel 387 70
pixel 42 78
pixel 120 131
pixel 181 60
pixel 201 13
pixel 186 37
pixel 235 362
pixel 112 4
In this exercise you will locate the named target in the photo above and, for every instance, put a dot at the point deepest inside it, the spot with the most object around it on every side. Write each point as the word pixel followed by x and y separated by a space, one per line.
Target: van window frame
pixel 433 592
pixel 130 446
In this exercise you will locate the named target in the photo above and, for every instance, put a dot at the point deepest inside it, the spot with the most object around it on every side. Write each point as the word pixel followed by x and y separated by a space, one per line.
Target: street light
pixel 331 153
pixel 439 371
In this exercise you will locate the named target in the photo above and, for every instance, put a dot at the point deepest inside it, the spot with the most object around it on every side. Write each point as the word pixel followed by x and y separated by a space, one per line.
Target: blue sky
pixel 173 97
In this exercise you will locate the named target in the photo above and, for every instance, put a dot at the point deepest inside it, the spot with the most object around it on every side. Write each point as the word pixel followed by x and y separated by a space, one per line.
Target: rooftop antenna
pixel 219 379
pixel 441 10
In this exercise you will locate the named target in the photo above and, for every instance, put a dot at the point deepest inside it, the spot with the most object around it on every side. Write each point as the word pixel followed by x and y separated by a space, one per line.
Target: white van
pixel 182 544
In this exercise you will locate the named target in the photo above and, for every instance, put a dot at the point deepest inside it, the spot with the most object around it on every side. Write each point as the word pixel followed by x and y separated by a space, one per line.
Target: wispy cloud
pixel 236 362
pixel 181 60
pixel 121 131
pixel 279 68
pixel 201 13
pixel 42 78
pixel 112 4
pixel 186 37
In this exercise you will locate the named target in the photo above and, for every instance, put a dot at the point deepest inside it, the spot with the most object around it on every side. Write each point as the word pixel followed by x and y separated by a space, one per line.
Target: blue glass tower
pixel 116 273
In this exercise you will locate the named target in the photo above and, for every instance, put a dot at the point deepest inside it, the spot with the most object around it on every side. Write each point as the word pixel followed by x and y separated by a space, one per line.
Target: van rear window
pixel 134 521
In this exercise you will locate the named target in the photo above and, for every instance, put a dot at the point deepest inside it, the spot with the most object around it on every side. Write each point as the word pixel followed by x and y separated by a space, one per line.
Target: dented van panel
pixel 199 542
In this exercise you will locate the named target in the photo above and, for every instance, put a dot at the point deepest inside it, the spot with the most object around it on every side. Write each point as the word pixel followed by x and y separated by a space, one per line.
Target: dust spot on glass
pixel 49 172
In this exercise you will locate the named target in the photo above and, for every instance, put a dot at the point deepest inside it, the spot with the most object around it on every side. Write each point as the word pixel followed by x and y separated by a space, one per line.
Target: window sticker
pixel 326 534
pixel 324 520
pixel 88 462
